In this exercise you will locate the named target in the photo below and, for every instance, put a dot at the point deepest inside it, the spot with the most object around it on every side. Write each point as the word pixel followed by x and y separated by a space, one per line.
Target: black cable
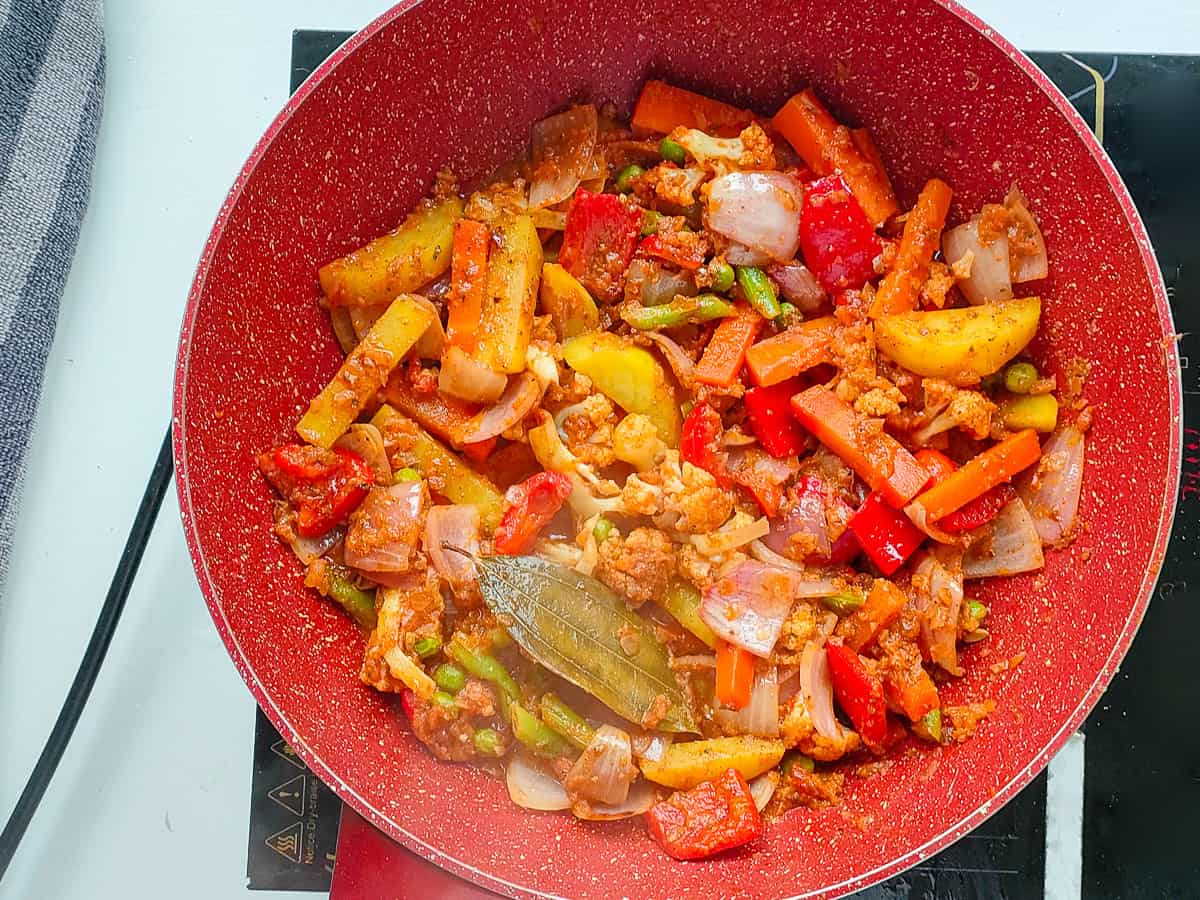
pixel 93 657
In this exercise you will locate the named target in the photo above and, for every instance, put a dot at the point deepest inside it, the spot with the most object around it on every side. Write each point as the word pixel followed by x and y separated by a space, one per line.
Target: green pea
pixel 446 702
pixel 798 759
pixel 843 604
pixel 1020 377
pixel 721 273
pixel 427 646
pixel 487 742
pixel 450 678
pixel 602 529
pixel 650 222
pixel 787 313
pixel 672 151
pixel 407 474
pixel 976 610
pixel 931 724
pixel 627 176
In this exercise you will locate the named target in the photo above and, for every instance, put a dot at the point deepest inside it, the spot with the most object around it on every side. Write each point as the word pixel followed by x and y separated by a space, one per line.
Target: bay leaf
pixel 573 625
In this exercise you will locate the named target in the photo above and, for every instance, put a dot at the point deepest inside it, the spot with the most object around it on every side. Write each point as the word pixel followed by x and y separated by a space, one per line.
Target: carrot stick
pixel 876 456
pixel 791 352
pixel 442 416
pixel 993 466
pixel 663 107
pixel 829 147
pixel 735 675
pixel 881 607
pixel 913 692
pixel 726 351
pixel 901 287
pixel 468 279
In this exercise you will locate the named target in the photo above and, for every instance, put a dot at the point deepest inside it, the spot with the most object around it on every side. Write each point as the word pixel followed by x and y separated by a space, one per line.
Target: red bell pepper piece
pixel 690 256
pixel 700 443
pixel 599 240
pixel 324 486
pixel 408 703
pixel 713 816
pixel 836 238
pixel 935 462
pixel 885 534
pixel 876 456
pixel 771 419
pixel 859 692
pixel 979 511
pixel 763 477
pixel 530 506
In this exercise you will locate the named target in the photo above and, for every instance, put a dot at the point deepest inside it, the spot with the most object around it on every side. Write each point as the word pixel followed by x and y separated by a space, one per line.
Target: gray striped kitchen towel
pixel 51 94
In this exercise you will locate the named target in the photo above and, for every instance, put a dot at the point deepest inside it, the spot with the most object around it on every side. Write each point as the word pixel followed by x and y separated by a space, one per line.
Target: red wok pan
pixel 458 83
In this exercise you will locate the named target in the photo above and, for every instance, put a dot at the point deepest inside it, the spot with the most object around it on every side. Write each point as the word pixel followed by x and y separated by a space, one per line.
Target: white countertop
pixel 152 797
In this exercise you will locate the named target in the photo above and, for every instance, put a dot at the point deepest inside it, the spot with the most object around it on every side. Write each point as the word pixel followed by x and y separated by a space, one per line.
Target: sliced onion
pixel 761 715
pixel 681 364
pixel 798 286
pixel 384 530
pixel 402 666
pixel 938 583
pixel 759 210
pixel 365 441
pixel 466 379
pixel 816 687
pixel 604 770
pixel 519 399
pixel 651 745
pixel 641 797
pixel 763 788
pixel 457 526
pixel 532 787
pixel 431 344
pixel 807 586
pixel 747 606
pixel 656 285
pixel 806 517
pixel 306 548
pixel 1010 545
pixel 561 148
pixel 918 515
pixel 741 255
pixel 737 532
pixel 990 280
pixel 1051 492
pixel 1032 266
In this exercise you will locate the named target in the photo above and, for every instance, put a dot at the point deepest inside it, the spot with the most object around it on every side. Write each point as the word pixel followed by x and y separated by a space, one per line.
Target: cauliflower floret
pixel 639 567
pixel 796 728
pixel 635 440
pixel 405 615
pixel 941 279
pixel 691 497
pixel 802 625
pixel 751 149
pixel 588 427
pixel 674 185
pixel 947 406
pixel 860 383
pixel 640 498
pixel 694 566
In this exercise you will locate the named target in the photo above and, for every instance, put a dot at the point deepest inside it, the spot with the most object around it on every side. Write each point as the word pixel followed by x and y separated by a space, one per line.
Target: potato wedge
pixel 683 766
pixel 399 262
pixel 960 345
pixel 567 302
pixel 629 376
pixel 510 298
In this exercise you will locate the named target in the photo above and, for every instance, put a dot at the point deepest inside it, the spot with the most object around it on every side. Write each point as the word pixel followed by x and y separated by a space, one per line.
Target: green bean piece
pixel 759 291
pixel 843 604
pixel 358 604
pixel 682 601
pixel 487 742
pixel 535 734
pixel 484 666
pixel 1020 377
pixel 722 275
pixel 407 474
pixel 976 610
pixel 446 702
pixel 672 151
pixel 930 726
pixel 627 176
pixel 650 222
pixel 427 646
pixel 680 311
pixel 565 721
pixel 602 529
pixel 450 678
pixel 797 759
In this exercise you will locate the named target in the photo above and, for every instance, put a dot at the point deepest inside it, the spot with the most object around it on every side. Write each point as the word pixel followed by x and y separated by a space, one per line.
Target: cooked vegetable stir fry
pixel 658 468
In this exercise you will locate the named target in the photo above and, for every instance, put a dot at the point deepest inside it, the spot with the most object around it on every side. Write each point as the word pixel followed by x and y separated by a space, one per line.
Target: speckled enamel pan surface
pixel 458 83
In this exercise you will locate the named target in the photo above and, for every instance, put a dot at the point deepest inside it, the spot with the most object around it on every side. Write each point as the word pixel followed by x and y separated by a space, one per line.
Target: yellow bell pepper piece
pixel 446 473
pixel 514 266
pixel 683 766
pixel 398 262
pixel 567 302
pixel 364 372
pixel 961 345
pixel 629 376
pixel 1036 411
